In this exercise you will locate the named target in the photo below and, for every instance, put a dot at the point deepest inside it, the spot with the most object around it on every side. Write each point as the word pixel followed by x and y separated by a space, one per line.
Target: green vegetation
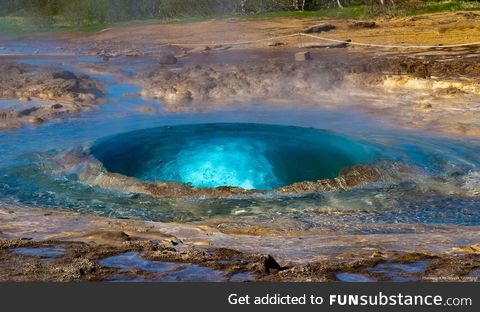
pixel 26 16
pixel 12 25
pixel 19 25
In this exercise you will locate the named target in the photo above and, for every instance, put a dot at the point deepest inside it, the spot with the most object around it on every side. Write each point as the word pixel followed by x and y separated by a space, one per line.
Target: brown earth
pixel 440 28
pixel 431 89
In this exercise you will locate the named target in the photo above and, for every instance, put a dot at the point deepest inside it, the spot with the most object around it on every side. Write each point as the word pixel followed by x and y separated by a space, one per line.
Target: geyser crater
pixel 248 156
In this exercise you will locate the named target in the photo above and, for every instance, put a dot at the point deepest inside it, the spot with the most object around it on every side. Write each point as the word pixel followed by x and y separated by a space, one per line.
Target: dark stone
pixel 319 28
pixel 167 59
pixel 65 75
pixel 29 111
pixel 57 106
pixel 176 241
pixel 269 264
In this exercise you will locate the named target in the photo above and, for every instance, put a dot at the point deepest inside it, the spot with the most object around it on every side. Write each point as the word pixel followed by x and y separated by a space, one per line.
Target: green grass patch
pixel 87 28
pixel 14 25
pixel 17 26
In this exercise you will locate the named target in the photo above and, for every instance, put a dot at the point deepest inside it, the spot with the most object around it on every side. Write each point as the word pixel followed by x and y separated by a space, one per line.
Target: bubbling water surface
pixel 250 156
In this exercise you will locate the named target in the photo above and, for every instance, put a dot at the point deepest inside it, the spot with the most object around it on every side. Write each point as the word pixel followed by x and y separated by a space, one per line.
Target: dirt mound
pixel 236 83
pixel 44 93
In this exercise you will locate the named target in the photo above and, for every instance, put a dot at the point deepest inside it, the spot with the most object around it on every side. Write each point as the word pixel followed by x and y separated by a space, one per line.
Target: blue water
pixel 407 268
pixel 46 252
pixel 444 187
pixel 162 271
pixel 353 278
pixel 389 271
pixel 250 156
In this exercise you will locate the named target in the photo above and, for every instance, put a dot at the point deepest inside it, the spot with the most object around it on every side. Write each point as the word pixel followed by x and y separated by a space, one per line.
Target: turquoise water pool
pixel 249 156
pixel 254 147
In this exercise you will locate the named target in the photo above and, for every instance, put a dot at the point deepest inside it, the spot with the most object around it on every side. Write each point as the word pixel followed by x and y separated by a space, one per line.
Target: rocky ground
pixel 47 245
pixel 42 93
pixel 434 90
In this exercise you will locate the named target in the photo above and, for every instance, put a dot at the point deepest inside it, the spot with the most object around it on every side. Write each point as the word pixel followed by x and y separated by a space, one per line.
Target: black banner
pixel 240 297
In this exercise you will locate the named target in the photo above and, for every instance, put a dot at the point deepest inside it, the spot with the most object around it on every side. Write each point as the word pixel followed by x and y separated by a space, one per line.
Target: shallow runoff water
pixel 255 147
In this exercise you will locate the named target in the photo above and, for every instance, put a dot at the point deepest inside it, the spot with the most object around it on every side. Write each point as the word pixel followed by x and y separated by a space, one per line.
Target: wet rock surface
pixel 71 247
pixel 406 267
pixel 24 260
pixel 150 261
pixel 44 94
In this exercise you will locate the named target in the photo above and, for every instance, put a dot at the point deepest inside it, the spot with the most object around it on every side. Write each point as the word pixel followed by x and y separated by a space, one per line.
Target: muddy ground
pixel 434 90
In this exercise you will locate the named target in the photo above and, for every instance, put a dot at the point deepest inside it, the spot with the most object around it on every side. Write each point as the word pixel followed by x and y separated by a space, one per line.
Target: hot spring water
pixel 249 156
pixel 219 149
